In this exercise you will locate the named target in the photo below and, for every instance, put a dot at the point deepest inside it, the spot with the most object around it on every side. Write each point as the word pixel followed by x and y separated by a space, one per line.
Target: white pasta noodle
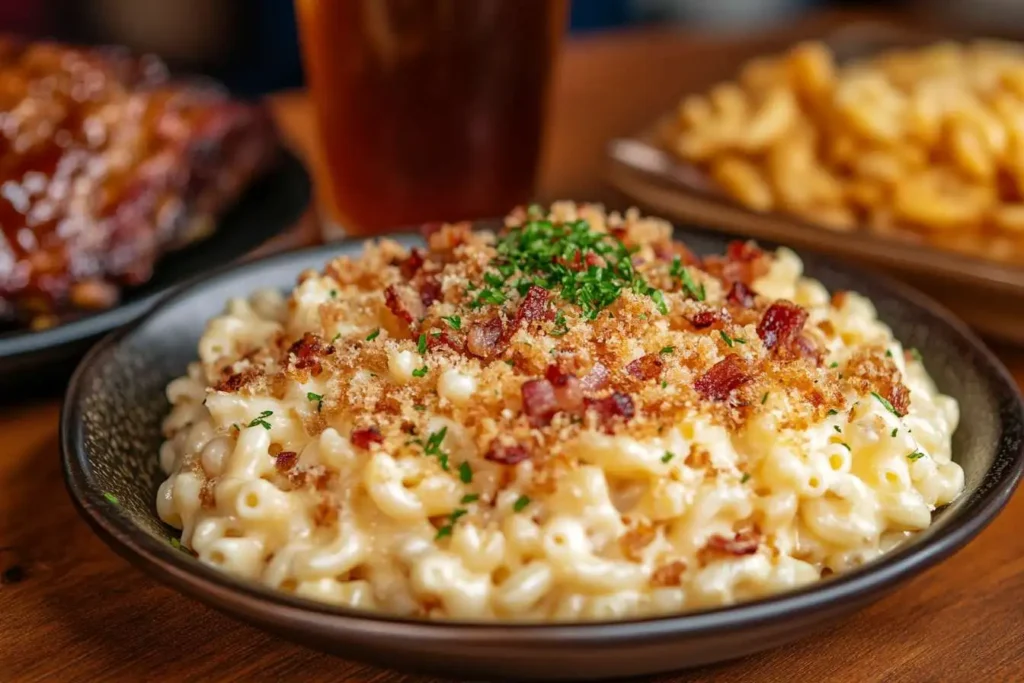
pixel 325 446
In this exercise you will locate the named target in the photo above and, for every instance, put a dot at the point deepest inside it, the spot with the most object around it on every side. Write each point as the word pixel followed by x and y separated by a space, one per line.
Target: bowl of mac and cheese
pixel 568 418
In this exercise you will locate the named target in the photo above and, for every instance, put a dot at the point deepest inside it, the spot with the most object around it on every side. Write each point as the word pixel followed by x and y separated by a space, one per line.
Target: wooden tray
pixel 987 294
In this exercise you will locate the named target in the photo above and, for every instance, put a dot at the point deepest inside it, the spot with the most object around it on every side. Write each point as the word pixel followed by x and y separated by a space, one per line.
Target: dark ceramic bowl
pixel 110 434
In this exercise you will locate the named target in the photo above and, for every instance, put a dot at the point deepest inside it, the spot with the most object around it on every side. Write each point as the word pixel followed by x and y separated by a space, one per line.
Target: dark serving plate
pixel 33 361
pixel 110 434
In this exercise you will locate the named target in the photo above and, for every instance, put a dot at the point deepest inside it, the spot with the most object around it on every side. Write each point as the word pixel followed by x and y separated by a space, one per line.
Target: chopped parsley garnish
pixel 465 473
pixel 835 364
pixel 420 372
pixel 316 397
pixel 454 321
pixel 111 498
pixel 421 344
pixel 727 339
pixel 764 399
pixel 419 406
pixel 846 446
pixel 888 353
pixel 261 419
pixel 668 456
pixel 433 447
pixel 511 363
pixel 832 411
pixel 745 478
pixel 561 328
pixel 894 430
pixel 915 354
pixel 666 350
pixel 521 503
pixel 556 257
pixel 446 530
pixel 470 498
pixel 680 271
pixel 838 429
pixel 916 455
pixel 885 403
pixel 338 336
pixel 334 294
pixel 664 384
pixel 178 545
pixel 373 335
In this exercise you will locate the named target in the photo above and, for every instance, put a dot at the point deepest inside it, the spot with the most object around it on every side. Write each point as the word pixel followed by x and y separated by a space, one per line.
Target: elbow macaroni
pixel 278 486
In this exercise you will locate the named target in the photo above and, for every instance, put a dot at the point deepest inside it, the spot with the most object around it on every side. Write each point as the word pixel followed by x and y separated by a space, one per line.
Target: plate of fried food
pixel 893 149
pixel 117 181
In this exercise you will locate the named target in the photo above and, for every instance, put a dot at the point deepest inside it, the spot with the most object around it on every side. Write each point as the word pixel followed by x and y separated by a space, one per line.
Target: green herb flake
pixel 421 345
pixel 916 355
pixel 666 350
pixel 336 337
pixel 894 431
pixel 261 419
pixel 885 403
pixel 470 498
pixel 838 429
pixel 764 399
pixel 668 456
pixel 111 498
pixel 446 530
pixel 834 364
pixel 511 363
pixel 681 272
pixel 846 446
pixel 561 328
pixel 316 397
pixel 745 478
pixel 373 335
pixel 419 407
pixel 832 411
pixel 888 353
pixel 916 455
pixel 520 504
pixel 433 447
pixel 420 372
pixel 726 338
pixel 664 384
pixel 454 321
pixel 334 294
pixel 465 473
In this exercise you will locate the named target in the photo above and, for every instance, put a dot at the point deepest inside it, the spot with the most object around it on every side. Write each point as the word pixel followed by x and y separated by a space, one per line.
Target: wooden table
pixel 71 610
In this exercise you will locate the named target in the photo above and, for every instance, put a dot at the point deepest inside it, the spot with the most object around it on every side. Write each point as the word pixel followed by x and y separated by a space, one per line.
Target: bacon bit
pixel 364 436
pixel 410 266
pixel 593 259
pixel 667 251
pixel 899 397
pixel 207 495
pixel 743 262
pixel 705 319
pixel 596 379
pixel 568 392
pixel 397 305
pixel 804 347
pixel 308 352
pixel 635 540
pixel 839 298
pixel 430 291
pixel 442 339
pixel 744 252
pixel 534 307
pixel 668 574
pixel 740 295
pixel 646 367
pixel 539 401
pixel 742 543
pixel 609 407
pixel 781 323
pixel 484 339
pixel 724 376
pixel 285 460
pixel 506 454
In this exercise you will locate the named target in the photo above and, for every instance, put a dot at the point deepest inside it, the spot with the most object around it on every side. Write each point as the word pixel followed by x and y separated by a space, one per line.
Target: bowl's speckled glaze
pixel 110 435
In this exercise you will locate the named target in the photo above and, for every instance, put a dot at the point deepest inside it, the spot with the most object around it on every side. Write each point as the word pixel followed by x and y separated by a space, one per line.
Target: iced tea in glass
pixel 428 109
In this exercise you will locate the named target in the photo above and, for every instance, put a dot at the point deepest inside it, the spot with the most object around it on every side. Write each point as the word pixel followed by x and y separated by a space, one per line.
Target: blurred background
pixel 252 46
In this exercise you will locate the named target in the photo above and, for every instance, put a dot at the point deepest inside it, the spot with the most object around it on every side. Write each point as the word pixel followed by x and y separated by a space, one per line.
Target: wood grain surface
pixel 71 610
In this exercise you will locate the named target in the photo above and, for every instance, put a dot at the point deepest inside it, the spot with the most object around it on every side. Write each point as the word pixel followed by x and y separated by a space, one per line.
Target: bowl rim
pixel 252 600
